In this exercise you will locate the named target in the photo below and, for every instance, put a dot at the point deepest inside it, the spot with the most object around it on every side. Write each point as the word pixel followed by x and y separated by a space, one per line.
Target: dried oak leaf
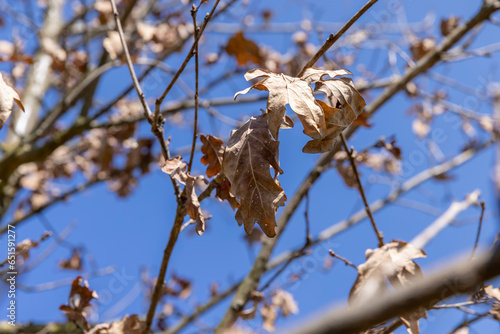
pixel 193 205
pixel 213 151
pixel 223 192
pixel 250 153
pixel 393 261
pixel 176 168
pixel 285 90
pixel 492 292
pixel 113 44
pixel 449 24
pixel 245 50
pixel 8 96
pixel 128 325
pixel 420 47
pixel 79 299
pixel 340 92
pixel 284 300
pixel 74 262
pixel 269 313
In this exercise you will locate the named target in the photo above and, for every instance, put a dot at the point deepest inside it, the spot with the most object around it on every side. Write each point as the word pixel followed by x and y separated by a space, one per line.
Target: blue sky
pixel 130 234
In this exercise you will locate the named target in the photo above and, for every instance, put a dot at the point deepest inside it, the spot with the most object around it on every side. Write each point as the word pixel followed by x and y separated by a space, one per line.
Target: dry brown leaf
pixel 447 25
pixel 79 299
pixel 269 313
pixel 285 90
pixel 8 96
pixel 74 262
pixel 393 261
pixel 223 192
pixel 420 47
pixel 493 292
pixel 250 153
pixel 176 168
pixel 495 311
pixel 113 44
pixel 213 151
pixel 339 91
pixel 313 74
pixel 193 205
pixel 244 50
pixel 420 127
pixel 284 300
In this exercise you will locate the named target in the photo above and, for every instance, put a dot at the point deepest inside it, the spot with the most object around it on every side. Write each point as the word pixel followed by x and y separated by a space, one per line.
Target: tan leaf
pixel 176 168
pixel 420 47
pixel 193 205
pixel 269 314
pixel 285 90
pixel 213 151
pixel 8 96
pixel 493 292
pixel 447 25
pixel 284 300
pixel 313 74
pixel 393 261
pixel 113 44
pixel 420 127
pixel 250 153
pixel 244 50
pixel 127 325
pixel 339 91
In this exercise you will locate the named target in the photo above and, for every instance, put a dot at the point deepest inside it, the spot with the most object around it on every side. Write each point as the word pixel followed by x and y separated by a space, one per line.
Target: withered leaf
pixel 286 303
pixel 113 44
pixel 269 313
pixel 223 192
pixel 492 292
pixel 250 153
pixel 313 74
pixel 447 25
pixel 339 91
pixel 285 90
pixel 128 325
pixel 176 168
pixel 244 50
pixel 8 96
pixel 79 299
pixel 393 261
pixel 74 262
pixel 193 205
pixel 213 151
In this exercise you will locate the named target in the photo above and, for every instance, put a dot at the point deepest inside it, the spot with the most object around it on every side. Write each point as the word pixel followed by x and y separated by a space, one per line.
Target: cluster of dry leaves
pixel 253 149
pixel 79 300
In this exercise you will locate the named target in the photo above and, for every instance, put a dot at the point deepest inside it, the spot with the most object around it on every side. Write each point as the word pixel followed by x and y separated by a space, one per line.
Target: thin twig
pixel 334 38
pixel 172 239
pixel 361 190
pixel 298 254
pixel 194 11
pixel 483 207
pixel 306 217
pixel 343 259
